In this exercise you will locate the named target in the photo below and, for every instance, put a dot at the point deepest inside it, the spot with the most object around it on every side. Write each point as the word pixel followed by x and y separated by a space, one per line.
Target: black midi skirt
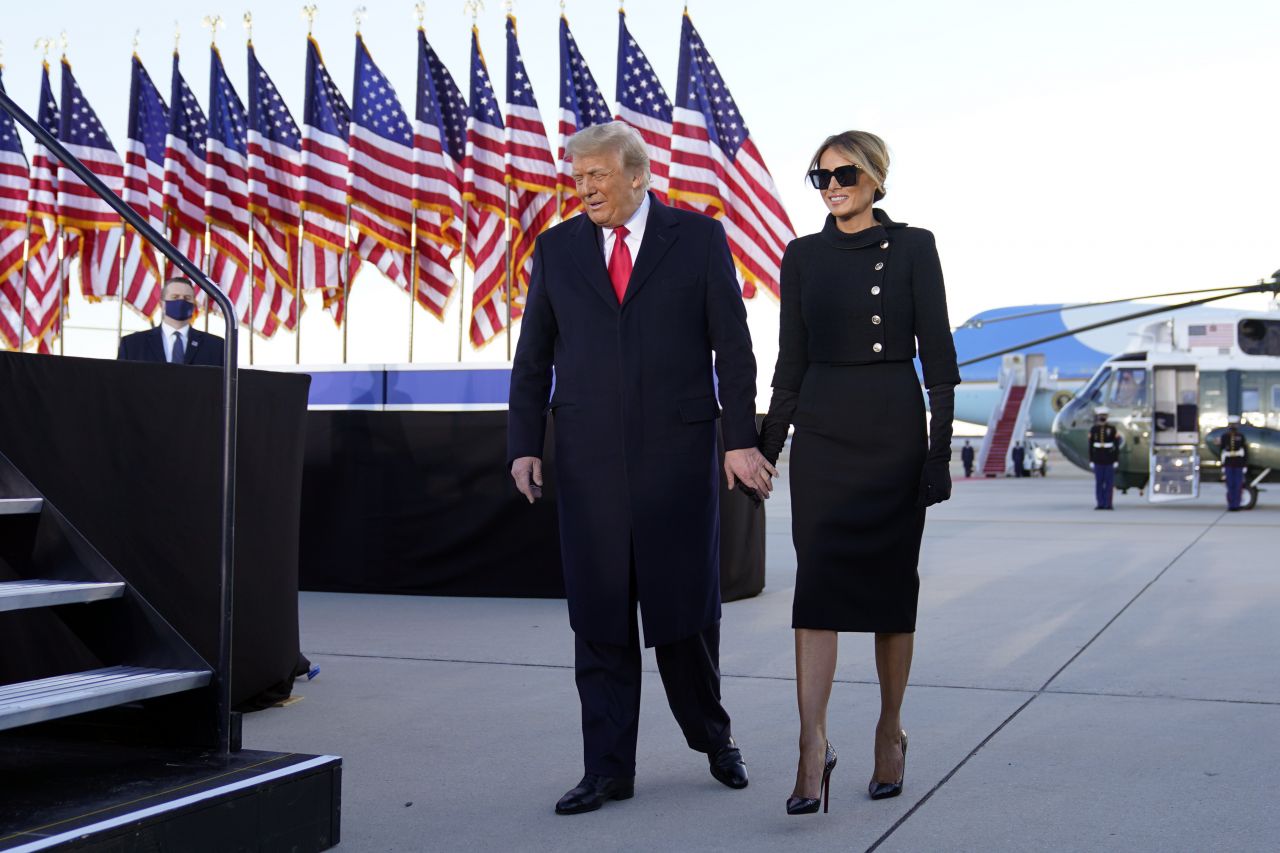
pixel 856 457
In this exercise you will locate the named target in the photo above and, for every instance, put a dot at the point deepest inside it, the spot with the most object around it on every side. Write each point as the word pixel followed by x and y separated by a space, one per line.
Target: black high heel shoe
pixel 809 805
pixel 885 790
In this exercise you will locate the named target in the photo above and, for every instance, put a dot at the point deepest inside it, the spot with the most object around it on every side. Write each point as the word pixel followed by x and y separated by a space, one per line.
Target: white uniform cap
pixel 1233 419
pixel 1102 410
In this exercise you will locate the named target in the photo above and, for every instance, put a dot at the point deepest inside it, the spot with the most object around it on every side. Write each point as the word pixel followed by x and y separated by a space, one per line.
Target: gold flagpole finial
pixel 177 35
pixel 137 40
pixel 420 12
pixel 62 42
pixel 248 26
pixel 309 13
pixel 360 13
pixel 43 45
pixel 474 7
pixel 213 23
pixel 509 6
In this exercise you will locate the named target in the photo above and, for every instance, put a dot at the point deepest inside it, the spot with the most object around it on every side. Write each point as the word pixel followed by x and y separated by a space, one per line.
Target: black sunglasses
pixel 846 176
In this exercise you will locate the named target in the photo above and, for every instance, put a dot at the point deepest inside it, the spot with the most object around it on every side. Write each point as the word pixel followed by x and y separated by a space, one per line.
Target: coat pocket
pixel 698 409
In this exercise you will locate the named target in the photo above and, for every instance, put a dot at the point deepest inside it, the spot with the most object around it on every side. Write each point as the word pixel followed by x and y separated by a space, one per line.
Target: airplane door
pixel 1175 435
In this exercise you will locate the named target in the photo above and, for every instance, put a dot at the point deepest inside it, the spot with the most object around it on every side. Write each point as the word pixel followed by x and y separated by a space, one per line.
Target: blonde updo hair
pixel 866 150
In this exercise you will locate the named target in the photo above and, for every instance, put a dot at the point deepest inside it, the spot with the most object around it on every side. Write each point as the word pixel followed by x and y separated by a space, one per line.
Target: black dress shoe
pixel 727 765
pixel 594 791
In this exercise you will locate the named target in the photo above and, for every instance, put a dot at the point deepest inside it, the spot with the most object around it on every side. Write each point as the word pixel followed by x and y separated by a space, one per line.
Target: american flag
pixel 716 169
pixel 531 171
pixel 42 275
pixel 275 189
pixel 95 226
pixel 144 187
pixel 184 168
pixel 15 184
pixel 439 140
pixel 1217 335
pixel 325 122
pixel 643 104
pixel 227 202
pixel 380 170
pixel 483 188
pixel 581 105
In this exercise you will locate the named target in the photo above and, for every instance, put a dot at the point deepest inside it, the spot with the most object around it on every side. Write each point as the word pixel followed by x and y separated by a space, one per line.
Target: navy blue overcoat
pixel 635 411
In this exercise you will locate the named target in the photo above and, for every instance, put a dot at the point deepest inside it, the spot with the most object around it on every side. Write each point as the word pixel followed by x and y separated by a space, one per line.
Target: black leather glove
pixel 776 424
pixel 935 483
pixel 935 478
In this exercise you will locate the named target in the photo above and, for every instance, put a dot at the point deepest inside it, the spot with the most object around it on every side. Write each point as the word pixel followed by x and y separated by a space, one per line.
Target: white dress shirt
pixel 635 232
pixel 168 333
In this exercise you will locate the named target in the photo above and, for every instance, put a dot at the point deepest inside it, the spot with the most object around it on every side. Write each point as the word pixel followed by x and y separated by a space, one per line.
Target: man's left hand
pixel 749 467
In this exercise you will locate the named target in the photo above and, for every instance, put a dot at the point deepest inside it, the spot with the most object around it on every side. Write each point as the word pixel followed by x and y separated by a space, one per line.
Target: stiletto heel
pixel 885 790
pixel 809 805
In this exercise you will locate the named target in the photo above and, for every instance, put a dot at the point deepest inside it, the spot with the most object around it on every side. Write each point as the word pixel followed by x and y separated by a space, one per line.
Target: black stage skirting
pixel 130 453
pixel 422 503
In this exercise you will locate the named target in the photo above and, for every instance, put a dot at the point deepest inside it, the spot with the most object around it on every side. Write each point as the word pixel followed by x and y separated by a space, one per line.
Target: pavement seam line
pixel 937 786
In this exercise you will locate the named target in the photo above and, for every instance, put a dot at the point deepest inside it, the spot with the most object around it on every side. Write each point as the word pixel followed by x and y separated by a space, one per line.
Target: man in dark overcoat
pixel 635 307
pixel 175 340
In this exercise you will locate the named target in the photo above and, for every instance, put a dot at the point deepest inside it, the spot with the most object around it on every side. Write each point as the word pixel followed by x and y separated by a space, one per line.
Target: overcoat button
pixel 884 244
pixel 875 291
pixel 880 265
pixel 875 319
pixel 876 347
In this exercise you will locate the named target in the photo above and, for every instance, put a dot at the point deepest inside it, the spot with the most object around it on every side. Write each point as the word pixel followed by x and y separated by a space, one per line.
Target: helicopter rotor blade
pixel 978 324
pixel 1272 286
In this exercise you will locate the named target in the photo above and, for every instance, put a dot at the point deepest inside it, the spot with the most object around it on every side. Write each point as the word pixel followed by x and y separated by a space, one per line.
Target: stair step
pixel 20 506
pixel 26 594
pixel 66 695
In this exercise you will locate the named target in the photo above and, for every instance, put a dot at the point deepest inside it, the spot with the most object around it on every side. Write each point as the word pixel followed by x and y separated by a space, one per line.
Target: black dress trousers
pixel 608 678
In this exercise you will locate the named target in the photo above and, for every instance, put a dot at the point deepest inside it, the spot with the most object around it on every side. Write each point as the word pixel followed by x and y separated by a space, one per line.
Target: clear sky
pixel 1061 152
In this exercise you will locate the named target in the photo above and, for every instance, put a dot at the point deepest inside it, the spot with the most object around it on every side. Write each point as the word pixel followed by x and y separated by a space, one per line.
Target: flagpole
pixel 345 272
pixel 26 276
pixel 462 283
pixel 62 290
pixel 253 290
pixel 297 291
pixel 510 270
pixel 208 269
pixel 413 278
pixel 124 230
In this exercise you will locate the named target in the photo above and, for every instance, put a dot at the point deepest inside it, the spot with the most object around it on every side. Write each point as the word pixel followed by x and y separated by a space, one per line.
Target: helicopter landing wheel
pixel 1251 500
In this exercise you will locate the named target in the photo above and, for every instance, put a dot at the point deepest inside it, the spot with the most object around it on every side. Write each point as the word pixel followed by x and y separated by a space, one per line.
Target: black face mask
pixel 179 309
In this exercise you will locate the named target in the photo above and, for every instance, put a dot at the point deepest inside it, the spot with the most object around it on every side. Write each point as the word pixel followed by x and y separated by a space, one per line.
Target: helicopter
pixel 1170 397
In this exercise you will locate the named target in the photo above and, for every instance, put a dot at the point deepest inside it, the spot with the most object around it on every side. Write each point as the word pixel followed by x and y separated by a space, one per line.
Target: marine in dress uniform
pixel 1104 458
pixel 1235 456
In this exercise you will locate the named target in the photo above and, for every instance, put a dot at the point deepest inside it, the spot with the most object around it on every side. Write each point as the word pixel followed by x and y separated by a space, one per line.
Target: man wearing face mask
pixel 174 341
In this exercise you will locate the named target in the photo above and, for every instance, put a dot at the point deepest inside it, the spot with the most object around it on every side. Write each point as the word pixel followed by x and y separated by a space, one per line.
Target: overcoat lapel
pixel 193 341
pixel 660 234
pixel 590 260
pixel 155 343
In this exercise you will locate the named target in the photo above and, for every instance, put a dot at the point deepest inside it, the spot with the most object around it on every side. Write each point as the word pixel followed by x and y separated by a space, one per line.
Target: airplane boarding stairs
pixel 1009 421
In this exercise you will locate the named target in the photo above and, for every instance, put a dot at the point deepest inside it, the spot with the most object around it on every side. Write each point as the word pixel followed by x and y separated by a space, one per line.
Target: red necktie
pixel 620 262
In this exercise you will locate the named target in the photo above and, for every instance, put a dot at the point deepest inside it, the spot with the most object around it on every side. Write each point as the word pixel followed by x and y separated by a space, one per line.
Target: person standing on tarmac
pixel 966 458
pixel 1234 462
pixel 1104 458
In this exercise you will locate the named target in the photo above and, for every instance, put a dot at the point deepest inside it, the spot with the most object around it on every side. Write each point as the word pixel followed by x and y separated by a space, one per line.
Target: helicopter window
pixel 1093 392
pixel 1275 398
pixel 1250 400
pixel 1259 337
pixel 1130 388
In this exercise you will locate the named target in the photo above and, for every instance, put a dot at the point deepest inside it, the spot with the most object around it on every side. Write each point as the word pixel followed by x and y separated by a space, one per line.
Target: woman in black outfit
pixel 857 300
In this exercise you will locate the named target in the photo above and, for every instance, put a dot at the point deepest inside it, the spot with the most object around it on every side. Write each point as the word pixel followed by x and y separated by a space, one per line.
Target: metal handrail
pixel 230 395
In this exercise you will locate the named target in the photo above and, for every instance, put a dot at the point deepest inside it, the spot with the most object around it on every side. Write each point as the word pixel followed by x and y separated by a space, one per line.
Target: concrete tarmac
pixel 1082 680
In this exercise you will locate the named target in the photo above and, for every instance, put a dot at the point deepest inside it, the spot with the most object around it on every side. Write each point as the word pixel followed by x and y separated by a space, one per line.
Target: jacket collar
pixel 877 233
pixel 659 235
